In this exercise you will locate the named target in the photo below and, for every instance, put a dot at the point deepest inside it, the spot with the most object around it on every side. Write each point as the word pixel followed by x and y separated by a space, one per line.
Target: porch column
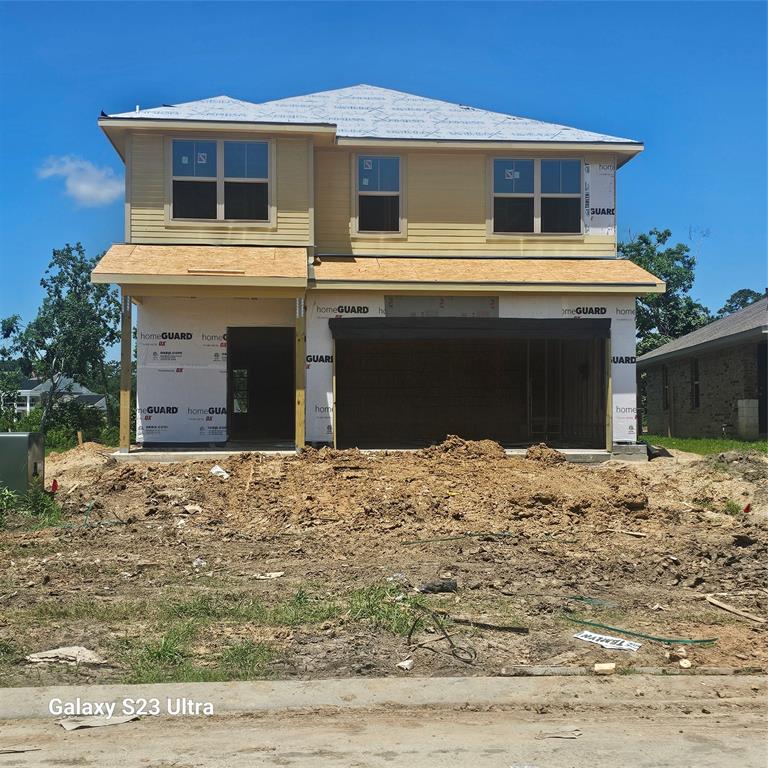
pixel 29 404
pixel 608 398
pixel 300 374
pixel 125 374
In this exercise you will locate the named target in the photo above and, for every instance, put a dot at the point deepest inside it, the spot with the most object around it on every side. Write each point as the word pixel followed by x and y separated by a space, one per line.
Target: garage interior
pixel 410 382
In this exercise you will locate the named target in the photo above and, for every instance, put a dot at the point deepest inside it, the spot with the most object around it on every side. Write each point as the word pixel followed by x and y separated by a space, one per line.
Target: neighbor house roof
pixel 370 112
pixel 742 326
pixel 203 265
pixel 473 274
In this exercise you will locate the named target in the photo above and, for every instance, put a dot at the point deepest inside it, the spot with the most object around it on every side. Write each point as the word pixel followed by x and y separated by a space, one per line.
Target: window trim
pixel 364 234
pixel 269 223
pixel 491 233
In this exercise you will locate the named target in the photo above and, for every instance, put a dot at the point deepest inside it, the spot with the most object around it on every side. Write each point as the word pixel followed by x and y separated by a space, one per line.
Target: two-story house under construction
pixel 365 267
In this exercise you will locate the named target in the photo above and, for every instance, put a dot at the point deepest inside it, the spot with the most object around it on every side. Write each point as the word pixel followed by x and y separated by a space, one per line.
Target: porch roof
pixel 540 275
pixel 203 265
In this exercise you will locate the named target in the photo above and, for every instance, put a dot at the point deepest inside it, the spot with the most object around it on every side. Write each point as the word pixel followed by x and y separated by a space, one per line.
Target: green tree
pixel 10 384
pixel 738 300
pixel 662 317
pixel 75 325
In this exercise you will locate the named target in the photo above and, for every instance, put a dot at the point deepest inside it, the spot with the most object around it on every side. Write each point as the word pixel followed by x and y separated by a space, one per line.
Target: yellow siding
pixel 148 190
pixel 445 201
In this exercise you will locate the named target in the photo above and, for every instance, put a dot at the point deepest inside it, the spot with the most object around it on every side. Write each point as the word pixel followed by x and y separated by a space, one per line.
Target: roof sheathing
pixel 369 112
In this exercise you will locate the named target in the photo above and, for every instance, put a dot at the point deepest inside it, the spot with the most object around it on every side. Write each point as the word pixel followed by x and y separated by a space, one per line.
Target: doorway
pixel 260 384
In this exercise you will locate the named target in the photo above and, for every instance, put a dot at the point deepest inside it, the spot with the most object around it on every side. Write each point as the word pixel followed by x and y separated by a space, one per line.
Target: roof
pixel 742 326
pixel 36 386
pixel 502 274
pixel 203 265
pixel 367 111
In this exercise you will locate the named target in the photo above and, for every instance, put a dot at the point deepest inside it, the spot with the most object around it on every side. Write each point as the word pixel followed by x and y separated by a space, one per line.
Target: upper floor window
pixel 560 196
pixel 513 196
pixel 220 180
pixel 378 194
pixel 541 196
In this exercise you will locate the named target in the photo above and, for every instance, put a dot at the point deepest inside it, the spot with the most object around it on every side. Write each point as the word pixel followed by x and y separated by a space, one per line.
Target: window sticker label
pixel 202 158
pixel 367 165
pixel 511 174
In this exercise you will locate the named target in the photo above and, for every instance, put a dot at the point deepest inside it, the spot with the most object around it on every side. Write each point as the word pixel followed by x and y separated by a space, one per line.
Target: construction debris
pixel 217 471
pixel 407 665
pixel 75 723
pixel 731 609
pixel 604 668
pixel 71 655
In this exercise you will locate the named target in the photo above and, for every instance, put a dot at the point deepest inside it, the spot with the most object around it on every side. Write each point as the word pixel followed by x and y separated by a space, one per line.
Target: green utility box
pixel 22 460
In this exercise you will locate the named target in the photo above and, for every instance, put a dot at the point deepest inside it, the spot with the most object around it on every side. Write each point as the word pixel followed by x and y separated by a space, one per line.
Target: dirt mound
pixel 455 447
pixel 77 464
pixel 543 454
pixel 751 466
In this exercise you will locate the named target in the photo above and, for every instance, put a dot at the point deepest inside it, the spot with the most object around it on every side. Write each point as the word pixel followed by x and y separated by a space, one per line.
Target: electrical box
pixel 22 460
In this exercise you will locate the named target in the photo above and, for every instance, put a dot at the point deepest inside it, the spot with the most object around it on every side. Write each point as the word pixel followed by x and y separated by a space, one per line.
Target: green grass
pixel 706 446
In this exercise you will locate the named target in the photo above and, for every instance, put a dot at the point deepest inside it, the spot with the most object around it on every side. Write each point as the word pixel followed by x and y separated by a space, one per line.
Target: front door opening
pixel 260 384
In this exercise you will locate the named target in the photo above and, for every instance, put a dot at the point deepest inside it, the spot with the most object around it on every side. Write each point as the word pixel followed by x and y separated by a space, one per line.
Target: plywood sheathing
pixel 213 262
pixel 472 271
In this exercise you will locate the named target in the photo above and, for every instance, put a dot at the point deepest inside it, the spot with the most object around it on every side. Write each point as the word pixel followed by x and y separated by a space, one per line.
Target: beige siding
pixel 445 202
pixel 148 190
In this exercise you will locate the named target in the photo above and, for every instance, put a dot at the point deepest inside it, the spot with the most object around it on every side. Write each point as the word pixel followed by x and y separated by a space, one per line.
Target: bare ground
pixel 156 566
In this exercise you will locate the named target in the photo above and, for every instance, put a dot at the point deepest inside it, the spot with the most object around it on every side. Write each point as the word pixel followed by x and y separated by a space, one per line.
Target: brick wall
pixel 725 376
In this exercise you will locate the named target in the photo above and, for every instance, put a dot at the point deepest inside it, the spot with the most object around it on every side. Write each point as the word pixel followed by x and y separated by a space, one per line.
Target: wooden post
pixel 608 398
pixel 126 343
pixel 300 375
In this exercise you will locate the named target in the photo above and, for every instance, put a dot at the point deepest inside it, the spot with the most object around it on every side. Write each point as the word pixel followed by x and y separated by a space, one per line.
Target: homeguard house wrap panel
pixel 181 373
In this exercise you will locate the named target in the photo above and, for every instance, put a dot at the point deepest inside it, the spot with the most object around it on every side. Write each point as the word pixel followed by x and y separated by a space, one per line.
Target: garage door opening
pixel 402 384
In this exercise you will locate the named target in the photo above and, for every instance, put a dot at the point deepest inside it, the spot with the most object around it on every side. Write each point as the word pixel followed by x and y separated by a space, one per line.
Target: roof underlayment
pixel 367 111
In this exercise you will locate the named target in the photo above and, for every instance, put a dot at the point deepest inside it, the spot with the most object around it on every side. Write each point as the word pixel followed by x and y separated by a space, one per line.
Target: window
pixel 695 394
pixel 560 196
pixel 540 196
pixel 194 179
pixel 378 194
pixel 665 387
pixel 513 198
pixel 220 180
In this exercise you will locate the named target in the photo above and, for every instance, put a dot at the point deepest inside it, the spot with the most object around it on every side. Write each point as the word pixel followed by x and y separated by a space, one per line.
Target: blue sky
pixel 689 79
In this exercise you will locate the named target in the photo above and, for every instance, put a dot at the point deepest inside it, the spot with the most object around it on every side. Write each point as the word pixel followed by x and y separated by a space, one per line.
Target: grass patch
pixel 380 605
pixel 300 608
pixel 83 609
pixel 168 659
pixel 706 446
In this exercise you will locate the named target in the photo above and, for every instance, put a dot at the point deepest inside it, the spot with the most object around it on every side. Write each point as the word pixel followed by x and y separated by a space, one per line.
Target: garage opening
pixel 410 382
pixel 260 385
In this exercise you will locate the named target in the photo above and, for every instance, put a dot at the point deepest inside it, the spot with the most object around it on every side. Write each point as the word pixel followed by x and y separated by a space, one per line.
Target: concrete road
pixel 631 722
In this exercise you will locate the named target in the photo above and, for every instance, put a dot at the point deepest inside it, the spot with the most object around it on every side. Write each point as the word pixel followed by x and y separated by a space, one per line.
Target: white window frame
pixel 219 221
pixel 537 198
pixel 370 234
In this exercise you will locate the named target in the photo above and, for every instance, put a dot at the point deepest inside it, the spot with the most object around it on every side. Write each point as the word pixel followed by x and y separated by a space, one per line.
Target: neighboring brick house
pixel 712 381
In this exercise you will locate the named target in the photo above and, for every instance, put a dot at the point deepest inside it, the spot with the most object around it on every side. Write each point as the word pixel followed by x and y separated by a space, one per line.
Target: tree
pixel 738 300
pixel 75 325
pixel 662 317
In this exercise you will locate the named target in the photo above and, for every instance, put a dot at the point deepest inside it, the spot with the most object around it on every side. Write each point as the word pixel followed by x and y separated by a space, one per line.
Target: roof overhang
pixel 732 340
pixel 199 266
pixel 118 128
pixel 498 275
pixel 623 151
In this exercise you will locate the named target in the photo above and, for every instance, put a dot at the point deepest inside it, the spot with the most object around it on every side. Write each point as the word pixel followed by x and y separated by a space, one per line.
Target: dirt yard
pixel 169 572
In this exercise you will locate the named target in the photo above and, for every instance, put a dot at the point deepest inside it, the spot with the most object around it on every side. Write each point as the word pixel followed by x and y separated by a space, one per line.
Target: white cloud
pixel 84 182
